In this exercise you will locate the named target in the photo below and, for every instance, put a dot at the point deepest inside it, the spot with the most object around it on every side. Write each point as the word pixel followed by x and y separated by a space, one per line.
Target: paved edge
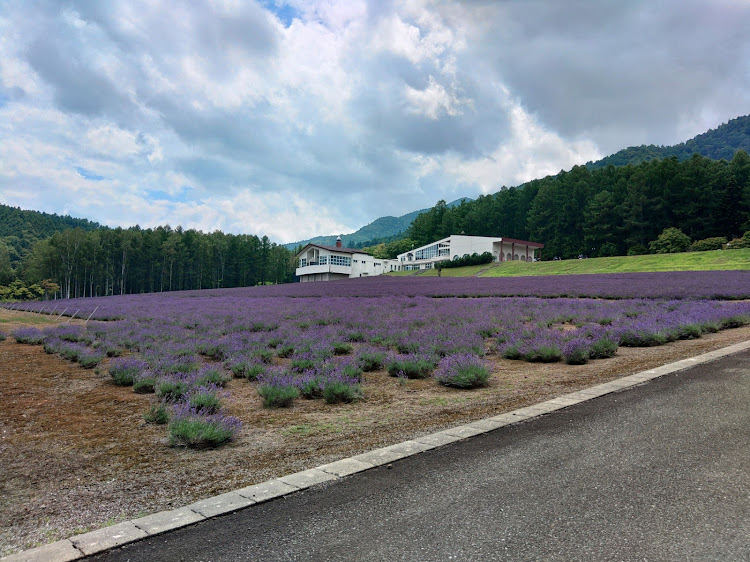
pixel 108 538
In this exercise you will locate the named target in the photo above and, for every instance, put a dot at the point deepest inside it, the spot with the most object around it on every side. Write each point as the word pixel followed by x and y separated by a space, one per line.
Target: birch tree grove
pixel 123 261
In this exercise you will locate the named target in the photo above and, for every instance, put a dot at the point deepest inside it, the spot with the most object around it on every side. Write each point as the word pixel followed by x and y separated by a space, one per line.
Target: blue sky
pixel 304 117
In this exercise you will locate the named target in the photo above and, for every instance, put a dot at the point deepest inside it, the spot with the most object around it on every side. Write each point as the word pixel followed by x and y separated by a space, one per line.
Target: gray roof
pixel 334 249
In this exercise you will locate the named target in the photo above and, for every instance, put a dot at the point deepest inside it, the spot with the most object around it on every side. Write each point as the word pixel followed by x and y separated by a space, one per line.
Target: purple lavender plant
pixel 462 370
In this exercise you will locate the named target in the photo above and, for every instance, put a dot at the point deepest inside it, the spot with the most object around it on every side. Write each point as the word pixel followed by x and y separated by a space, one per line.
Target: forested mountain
pixel 118 261
pixel 716 144
pixel 606 211
pixel 378 230
pixel 20 229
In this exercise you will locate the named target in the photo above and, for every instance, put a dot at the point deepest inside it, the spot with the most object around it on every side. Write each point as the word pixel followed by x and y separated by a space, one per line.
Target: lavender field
pixel 315 340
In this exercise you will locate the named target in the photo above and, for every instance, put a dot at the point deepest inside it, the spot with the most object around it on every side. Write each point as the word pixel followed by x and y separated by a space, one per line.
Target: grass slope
pixel 716 260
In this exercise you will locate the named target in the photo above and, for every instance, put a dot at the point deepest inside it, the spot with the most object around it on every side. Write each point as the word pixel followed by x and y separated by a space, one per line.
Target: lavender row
pixel 723 285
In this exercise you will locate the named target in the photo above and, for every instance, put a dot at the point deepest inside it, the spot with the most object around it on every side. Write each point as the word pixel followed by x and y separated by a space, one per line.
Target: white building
pixel 458 246
pixel 326 263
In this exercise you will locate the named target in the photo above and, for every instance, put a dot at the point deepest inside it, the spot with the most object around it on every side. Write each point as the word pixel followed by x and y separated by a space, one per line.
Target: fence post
pixel 90 315
pixel 74 315
pixel 63 312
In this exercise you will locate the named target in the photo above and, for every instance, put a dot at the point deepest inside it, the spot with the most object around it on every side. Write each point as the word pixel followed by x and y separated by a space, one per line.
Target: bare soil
pixel 75 453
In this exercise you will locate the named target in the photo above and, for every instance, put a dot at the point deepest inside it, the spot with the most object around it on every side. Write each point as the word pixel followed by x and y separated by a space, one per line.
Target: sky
pixel 297 118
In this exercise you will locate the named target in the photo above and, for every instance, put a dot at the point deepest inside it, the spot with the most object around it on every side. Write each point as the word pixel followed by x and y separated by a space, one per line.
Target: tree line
pixel 608 211
pixel 80 263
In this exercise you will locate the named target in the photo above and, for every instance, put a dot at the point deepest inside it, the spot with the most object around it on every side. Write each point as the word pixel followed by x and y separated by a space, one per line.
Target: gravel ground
pixel 76 455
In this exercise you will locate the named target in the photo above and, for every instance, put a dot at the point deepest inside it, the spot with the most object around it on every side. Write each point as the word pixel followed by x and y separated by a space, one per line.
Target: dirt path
pixel 75 453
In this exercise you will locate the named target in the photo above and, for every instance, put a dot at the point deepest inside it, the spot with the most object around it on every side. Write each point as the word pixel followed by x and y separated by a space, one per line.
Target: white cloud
pixel 433 100
pixel 532 152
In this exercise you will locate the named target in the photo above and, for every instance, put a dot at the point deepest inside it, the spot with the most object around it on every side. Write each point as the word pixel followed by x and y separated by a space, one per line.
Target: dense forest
pixel 606 211
pixel 20 230
pixel 717 144
pixel 118 261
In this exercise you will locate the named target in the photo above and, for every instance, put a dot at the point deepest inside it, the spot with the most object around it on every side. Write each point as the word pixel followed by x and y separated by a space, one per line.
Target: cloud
pixel 294 118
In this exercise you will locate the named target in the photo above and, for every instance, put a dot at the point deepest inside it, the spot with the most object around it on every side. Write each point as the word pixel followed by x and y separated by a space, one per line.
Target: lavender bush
pixel 125 370
pixel 193 428
pixel 31 336
pixel 278 390
pixel 462 371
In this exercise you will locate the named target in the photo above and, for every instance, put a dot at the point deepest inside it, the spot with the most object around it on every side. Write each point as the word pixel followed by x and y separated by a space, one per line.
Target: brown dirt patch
pixel 75 453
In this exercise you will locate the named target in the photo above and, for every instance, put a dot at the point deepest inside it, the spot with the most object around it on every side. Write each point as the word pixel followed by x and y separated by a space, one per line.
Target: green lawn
pixel 688 261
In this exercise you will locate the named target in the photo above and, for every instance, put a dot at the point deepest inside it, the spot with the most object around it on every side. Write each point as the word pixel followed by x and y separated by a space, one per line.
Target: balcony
pixel 312 269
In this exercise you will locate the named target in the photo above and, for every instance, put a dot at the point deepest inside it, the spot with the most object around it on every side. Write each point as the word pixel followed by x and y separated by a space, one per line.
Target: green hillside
pixel 716 260
pixel 20 229
pixel 717 144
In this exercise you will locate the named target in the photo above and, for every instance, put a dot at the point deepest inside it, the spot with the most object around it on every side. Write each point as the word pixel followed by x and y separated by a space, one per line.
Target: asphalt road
pixel 658 472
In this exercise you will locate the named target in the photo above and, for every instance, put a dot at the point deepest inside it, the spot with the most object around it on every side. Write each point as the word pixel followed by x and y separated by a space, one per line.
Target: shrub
pixel 337 391
pixel 708 244
pixel 463 370
pixel 576 352
pixel 171 390
pixel 176 364
pixel 210 375
pixel 302 364
pixel 251 369
pixel 157 414
pixel 124 371
pixel 355 336
pixel 739 243
pixel 265 355
pixel 688 332
pixel 545 353
pixel 277 396
pixel 411 366
pixel 670 241
pixel 88 359
pixel 112 351
pixel 190 428
pixel 144 383
pixel 642 337
pixel 350 370
pixel 213 350
pixel 278 390
pixel 284 351
pixel 736 321
pixel 341 348
pixel 603 348
pixel 3 335
pixel 30 336
pixel 273 343
pixel 205 400
pixel 637 250
pixel 310 384
pixel 371 360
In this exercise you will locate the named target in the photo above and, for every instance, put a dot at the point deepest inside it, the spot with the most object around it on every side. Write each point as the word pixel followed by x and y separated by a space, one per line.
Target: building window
pixel 323 260
pixel 427 253
pixel 341 260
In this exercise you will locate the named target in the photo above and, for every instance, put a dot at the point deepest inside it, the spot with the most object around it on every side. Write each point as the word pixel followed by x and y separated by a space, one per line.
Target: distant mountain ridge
pixel 383 227
pixel 717 144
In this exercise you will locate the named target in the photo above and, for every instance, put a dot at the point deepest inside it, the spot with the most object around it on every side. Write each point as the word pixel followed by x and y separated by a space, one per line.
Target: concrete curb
pixel 107 538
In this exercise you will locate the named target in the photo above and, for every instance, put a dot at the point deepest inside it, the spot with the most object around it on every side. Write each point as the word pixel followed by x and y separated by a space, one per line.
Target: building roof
pixel 334 249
